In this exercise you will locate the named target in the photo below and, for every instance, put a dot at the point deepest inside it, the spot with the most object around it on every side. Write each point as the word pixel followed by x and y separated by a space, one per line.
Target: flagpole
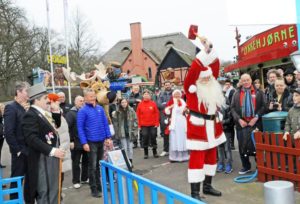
pixel 50 48
pixel 66 42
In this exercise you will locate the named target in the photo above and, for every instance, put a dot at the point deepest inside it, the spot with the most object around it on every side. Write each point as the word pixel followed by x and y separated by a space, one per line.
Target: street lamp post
pixel 295 56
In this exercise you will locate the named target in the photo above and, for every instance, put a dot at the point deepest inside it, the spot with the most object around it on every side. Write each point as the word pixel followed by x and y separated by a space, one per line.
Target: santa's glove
pixel 192 89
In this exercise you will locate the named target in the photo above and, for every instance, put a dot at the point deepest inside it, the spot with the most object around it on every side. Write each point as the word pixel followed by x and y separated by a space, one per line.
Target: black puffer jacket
pixel 227 121
pixel 71 118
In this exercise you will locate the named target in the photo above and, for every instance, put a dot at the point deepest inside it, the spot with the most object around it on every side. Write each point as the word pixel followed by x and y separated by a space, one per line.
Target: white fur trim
pixel 220 116
pixel 195 175
pixel 206 73
pixel 210 170
pixel 167 111
pixel 192 88
pixel 207 59
pixel 197 121
pixel 203 145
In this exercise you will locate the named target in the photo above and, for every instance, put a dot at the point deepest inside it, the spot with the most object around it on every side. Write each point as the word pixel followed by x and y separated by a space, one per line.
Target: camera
pixel 274 101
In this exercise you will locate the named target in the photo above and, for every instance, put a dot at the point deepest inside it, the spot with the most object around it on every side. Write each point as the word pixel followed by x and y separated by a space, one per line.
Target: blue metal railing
pixel 131 179
pixel 18 189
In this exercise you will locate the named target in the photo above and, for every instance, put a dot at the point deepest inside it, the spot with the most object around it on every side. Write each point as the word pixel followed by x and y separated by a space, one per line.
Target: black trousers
pixel 149 134
pixel 1 145
pixel 18 168
pixel 77 156
pixel 244 159
pixel 95 155
pixel 165 137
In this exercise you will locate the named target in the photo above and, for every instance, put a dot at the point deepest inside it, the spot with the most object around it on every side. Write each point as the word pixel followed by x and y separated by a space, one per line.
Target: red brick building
pixel 142 56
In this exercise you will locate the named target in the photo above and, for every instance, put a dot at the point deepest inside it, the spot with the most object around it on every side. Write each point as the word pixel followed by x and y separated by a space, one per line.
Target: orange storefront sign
pixel 282 36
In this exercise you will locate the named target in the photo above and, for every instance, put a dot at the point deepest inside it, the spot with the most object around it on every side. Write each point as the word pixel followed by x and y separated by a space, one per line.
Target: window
pixel 125 49
pixel 169 44
pixel 149 73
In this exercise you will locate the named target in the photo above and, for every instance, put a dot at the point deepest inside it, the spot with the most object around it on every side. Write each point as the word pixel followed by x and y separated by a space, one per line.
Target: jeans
pixel 224 149
pixel 149 133
pixel 245 159
pixel 95 155
pixel 127 146
pixel 77 155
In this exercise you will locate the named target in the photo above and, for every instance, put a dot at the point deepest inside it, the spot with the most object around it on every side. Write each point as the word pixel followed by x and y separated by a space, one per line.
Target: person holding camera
pixel 279 100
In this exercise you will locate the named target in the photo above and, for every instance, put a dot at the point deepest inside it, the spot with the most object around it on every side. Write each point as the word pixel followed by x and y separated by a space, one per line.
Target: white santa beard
pixel 210 94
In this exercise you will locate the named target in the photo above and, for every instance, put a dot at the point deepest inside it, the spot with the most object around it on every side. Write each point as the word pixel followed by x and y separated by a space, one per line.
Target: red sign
pixel 280 37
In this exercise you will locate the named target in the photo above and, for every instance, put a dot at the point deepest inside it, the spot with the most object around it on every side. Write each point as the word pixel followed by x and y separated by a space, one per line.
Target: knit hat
pixel 53 97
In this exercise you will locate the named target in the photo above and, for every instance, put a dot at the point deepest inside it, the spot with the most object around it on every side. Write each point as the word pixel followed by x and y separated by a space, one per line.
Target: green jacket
pixel 118 122
pixel 292 123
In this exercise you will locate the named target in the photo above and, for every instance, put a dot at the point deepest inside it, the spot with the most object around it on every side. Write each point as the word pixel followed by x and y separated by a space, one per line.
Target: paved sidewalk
pixel 173 175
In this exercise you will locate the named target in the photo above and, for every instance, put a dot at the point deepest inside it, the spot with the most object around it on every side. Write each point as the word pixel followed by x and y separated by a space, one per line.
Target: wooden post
pixel 261 74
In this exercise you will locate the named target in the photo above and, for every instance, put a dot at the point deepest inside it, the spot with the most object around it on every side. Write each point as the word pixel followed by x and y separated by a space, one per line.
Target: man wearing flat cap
pixel 39 129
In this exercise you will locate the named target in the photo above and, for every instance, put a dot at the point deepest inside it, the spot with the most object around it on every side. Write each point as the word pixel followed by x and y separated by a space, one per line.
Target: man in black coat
pixel 162 100
pixel 247 107
pixel 134 99
pixel 13 114
pixel 39 129
pixel 62 103
pixel 229 92
pixel 77 151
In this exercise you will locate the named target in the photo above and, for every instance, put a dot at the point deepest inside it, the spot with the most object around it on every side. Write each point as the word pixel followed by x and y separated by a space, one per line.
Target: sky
pixel 109 20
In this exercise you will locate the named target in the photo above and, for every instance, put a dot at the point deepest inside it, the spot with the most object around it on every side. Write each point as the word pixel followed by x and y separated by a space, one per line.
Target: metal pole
pixel 50 48
pixel 298 20
pixel 67 44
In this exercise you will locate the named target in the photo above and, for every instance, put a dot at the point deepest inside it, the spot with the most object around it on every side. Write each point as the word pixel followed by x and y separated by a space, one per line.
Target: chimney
pixel 137 46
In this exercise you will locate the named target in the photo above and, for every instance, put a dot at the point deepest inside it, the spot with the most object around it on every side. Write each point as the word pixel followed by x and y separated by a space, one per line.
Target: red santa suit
pixel 204 123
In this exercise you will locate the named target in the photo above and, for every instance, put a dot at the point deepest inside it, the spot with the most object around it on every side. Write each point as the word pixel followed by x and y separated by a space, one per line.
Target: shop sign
pixel 280 37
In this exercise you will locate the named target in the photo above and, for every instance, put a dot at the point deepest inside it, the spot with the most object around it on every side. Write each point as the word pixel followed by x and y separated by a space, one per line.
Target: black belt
pixel 199 115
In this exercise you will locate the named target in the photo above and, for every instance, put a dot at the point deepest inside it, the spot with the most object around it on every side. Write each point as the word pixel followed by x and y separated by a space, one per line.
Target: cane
pixel 59 181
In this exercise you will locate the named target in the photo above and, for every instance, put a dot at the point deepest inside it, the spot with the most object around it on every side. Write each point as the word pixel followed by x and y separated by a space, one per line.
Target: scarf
pixel 248 109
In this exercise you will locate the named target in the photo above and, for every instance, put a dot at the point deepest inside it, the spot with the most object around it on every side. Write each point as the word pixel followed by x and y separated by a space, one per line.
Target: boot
pixel 155 153
pixel 146 153
pixel 195 190
pixel 208 189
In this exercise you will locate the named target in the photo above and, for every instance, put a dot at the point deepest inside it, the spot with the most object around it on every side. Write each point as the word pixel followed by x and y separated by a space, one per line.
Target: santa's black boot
pixel 208 189
pixel 195 190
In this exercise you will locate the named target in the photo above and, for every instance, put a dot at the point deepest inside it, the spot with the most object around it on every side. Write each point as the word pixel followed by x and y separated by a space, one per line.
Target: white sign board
pixel 117 159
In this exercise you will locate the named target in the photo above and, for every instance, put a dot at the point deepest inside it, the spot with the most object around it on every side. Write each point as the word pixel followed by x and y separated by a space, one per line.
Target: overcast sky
pixel 110 20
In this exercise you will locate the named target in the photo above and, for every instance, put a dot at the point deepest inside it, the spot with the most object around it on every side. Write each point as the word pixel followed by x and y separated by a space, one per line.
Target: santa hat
pixel 203 66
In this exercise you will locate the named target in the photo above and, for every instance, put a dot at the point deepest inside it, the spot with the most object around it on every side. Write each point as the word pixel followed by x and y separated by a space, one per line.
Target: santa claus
pixel 204 122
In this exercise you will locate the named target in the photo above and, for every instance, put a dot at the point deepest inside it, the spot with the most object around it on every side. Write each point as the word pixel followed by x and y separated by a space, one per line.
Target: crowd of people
pixel 44 133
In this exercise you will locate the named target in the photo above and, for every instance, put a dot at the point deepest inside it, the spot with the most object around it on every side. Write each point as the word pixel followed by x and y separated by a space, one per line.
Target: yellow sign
pixel 57 59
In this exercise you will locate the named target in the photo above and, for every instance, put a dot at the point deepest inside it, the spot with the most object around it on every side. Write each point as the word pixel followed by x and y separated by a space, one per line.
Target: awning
pixel 268 56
